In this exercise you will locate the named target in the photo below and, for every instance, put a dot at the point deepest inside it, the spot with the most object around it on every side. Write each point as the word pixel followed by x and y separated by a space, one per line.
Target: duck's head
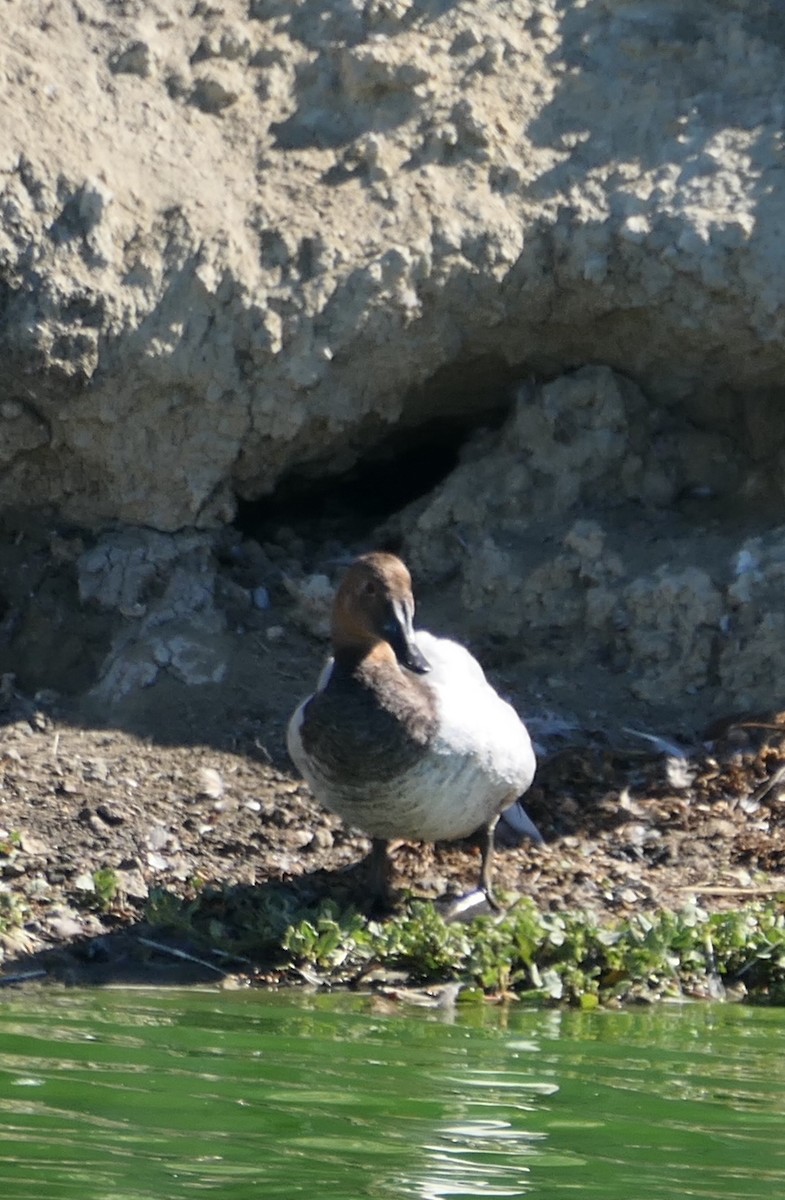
pixel 373 612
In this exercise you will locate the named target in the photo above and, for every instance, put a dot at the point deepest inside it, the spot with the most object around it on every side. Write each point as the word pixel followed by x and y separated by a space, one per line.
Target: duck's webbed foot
pixel 380 898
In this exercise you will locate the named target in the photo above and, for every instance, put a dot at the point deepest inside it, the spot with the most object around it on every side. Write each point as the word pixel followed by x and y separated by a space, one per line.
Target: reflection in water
pixel 152 1096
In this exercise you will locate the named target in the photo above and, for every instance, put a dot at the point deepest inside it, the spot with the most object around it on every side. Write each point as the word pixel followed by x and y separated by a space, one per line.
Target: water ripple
pixel 152 1096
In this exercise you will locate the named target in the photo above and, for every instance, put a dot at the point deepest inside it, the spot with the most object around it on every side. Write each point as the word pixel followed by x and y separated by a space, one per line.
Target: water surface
pixel 137 1095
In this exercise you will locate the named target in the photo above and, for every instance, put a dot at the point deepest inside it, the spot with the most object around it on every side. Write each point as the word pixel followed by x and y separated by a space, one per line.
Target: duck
pixel 403 736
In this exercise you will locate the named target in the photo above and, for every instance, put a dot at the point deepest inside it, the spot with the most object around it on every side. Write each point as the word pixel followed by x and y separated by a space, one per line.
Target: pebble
pixel 96 768
pixel 132 884
pixel 65 926
pixel 39 887
pixel 110 815
pixel 321 839
pixel 33 845
pixel 158 837
pixel 211 783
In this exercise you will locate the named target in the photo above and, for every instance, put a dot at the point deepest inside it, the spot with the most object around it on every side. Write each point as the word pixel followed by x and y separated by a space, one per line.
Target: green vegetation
pixel 12 910
pixel 9 846
pixel 106 888
pixel 568 957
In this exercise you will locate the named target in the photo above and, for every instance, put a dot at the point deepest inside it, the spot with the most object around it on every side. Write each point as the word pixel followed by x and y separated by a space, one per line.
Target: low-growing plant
pixel 106 886
pixel 329 938
pixel 13 911
pixel 554 957
pixel 10 845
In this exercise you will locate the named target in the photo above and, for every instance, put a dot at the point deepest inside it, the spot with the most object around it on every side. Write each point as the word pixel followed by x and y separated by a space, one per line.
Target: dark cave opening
pixel 391 471
pixel 383 481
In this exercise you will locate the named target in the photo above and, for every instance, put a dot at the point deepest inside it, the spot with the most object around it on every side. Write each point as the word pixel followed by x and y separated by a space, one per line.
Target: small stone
pixel 181 868
pixel 89 818
pixel 110 815
pixel 211 783
pixel 158 837
pixel 33 845
pixel 132 884
pixel 275 633
pixel 96 768
pixel 84 882
pixel 64 925
pixel 321 839
pixel 314 596
pixel 261 598
pixel 11 868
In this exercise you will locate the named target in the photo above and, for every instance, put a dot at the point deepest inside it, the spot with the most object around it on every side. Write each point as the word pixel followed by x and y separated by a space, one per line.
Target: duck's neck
pixel 365 657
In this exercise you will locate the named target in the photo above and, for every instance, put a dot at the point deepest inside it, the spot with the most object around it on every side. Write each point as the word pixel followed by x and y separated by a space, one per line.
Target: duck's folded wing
pixel 474 721
pixel 450 662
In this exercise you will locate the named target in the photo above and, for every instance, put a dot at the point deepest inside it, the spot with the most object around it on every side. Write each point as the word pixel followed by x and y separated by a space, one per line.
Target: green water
pixel 134 1095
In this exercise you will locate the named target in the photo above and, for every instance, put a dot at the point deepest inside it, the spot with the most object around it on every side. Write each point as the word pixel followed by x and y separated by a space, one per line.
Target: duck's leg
pixel 485 837
pixel 465 907
pixel 379 875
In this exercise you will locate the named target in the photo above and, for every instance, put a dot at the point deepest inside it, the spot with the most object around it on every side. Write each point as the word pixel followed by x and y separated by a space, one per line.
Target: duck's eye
pixel 369 588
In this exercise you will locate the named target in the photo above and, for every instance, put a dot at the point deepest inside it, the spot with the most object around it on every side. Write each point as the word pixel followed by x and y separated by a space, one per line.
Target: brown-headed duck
pixel 404 737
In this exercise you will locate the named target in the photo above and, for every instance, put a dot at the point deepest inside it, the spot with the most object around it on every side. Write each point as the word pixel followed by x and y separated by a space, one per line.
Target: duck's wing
pixel 473 718
pixel 451 664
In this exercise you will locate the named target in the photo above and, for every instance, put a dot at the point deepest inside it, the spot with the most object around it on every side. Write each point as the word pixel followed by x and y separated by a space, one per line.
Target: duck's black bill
pixel 400 634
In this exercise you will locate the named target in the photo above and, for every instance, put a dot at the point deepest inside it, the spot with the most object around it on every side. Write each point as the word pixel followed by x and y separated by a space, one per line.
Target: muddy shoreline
pixel 107 836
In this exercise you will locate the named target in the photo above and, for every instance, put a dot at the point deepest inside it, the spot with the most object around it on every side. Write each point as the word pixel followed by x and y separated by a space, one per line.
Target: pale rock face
pixel 607 546
pixel 238 239
pixel 161 590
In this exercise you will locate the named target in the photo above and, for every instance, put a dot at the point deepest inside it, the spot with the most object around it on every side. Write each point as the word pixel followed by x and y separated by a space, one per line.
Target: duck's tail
pixel 515 824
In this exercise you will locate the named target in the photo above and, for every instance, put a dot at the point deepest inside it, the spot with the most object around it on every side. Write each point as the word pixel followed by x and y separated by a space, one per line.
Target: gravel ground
pixel 93 819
